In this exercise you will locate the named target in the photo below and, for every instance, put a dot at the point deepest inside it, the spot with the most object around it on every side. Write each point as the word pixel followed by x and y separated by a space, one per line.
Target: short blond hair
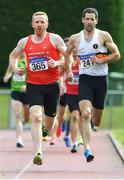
pixel 40 13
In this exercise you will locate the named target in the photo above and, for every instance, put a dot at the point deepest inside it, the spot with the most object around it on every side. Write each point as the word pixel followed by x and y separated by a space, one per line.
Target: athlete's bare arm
pixel 8 73
pixel 59 44
pixel 17 51
pixel 111 46
pixel 72 45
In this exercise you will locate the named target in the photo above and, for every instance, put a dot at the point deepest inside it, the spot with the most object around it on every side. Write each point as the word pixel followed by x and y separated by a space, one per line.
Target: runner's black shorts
pixel 63 100
pixel 72 101
pixel 19 96
pixel 94 89
pixel 44 95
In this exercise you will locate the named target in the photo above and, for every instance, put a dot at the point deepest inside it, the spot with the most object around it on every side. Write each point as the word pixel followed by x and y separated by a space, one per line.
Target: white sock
pixel 19 140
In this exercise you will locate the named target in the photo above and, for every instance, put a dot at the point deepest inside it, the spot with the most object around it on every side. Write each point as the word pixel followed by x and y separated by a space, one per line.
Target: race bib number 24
pixel 85 60
pixel 86 63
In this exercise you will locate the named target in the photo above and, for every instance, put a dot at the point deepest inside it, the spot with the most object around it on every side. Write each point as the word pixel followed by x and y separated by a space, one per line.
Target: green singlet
pixel 18 81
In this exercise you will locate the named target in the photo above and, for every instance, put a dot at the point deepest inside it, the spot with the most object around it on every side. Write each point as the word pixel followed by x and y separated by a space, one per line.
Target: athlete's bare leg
pixel 49 122
pixel 85 127
pixel 60 114
pixel 74 125
pixel 53 132
pixel 17 107
pixel 36 124
pixel 97 116
pixel 26 113
pixel 74 130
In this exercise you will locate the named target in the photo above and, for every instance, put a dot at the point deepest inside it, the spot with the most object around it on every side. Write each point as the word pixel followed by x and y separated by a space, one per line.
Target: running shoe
pixel 45 131
pixel 93 127
pixel 75 148
pixel 19 145
pixel 67 141
pixel 25 121
pixel 80 140
pixel 59 131
pixel 53 140
pixel 38 159
pixel 46 138
pixel 89 157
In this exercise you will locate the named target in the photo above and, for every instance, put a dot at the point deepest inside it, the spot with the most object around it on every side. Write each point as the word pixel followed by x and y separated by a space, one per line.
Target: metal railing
pixel 111 103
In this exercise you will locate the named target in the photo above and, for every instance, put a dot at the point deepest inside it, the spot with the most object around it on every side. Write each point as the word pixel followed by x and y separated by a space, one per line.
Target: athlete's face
pixel 89 21
pixel 39 24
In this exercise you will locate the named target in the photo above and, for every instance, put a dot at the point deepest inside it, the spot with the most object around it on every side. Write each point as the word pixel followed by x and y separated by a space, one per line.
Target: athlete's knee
pixel 36 115
pixel 86 113
pixel 75 117
pixel 18 116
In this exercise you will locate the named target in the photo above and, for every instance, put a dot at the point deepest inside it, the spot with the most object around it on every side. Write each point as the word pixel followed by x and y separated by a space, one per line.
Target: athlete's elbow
pixel 117 56
pixel 67 55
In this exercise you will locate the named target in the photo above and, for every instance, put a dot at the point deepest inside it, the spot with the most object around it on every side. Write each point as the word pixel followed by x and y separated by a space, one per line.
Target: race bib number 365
pixel 38 64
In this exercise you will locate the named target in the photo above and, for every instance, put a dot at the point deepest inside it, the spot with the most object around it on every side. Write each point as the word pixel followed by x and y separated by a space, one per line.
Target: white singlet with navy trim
pixel 87 49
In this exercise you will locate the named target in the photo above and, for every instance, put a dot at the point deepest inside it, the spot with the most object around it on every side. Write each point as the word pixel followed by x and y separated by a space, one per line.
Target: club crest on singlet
pixel 95 46
pixel 38 63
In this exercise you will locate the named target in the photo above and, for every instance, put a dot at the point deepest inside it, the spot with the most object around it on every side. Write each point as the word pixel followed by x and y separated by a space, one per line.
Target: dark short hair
pixel 90 10
pixel 66 39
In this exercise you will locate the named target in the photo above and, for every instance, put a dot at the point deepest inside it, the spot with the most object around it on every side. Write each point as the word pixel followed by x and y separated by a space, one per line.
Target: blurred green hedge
pixel 64 19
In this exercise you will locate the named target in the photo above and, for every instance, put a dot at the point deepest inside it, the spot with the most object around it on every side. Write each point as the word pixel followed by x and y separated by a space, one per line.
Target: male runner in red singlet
pixel 72 102
pixel 43 53
pixel 91 45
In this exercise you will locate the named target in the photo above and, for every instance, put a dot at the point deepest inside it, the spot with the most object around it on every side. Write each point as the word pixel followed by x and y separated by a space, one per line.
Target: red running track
pixel 58 162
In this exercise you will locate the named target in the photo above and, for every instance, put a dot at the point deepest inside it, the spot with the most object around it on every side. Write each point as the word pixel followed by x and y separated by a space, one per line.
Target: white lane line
pixel 0 153
pixel 23 170
pixel 28 165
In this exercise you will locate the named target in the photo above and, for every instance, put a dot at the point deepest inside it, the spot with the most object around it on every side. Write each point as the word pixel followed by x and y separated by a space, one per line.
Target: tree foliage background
pixel 64 19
